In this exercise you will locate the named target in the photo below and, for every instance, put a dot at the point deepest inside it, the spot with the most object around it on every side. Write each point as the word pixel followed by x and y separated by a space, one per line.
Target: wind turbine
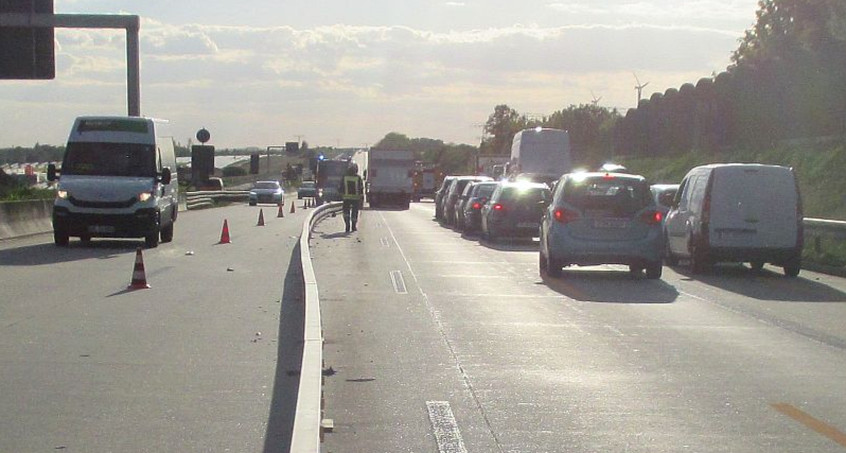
pixel 639 87
pixel 595 100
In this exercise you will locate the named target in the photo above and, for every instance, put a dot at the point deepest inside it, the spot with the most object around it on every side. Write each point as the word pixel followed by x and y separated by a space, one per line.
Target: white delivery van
pixel 117 179
pixel 737 213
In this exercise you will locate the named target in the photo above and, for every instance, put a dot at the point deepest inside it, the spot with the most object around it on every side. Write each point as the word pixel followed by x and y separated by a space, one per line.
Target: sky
pixel 345 73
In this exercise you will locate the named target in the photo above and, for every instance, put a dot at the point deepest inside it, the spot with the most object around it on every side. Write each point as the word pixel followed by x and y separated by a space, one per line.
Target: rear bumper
pixel 750 254
pixel 638 252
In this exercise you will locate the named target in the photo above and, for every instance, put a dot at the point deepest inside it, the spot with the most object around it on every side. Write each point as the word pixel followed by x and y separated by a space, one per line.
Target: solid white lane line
pixel 445 427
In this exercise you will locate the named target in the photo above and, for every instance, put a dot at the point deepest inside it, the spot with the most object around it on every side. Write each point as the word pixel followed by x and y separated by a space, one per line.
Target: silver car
pixel 267 192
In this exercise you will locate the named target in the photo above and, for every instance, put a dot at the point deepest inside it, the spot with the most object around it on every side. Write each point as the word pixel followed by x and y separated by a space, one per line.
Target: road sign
pixel 203 135
pixel 27 52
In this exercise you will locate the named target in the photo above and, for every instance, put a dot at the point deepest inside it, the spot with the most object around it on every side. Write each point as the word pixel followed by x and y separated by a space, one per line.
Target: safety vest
pixel 351 188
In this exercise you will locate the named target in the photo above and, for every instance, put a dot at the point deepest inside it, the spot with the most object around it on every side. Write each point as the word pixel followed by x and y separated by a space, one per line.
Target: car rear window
pixel 485 190
pixel 623 196
pixel 267 185
pixel 524 194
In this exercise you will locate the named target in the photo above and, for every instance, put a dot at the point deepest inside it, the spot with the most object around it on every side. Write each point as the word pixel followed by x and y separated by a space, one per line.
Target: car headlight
pixel 63 194
pixel 252 194
pixel 144 196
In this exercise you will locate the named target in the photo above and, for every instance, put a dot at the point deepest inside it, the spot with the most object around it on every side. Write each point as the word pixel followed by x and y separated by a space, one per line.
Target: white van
pixel 117 179
pixel 739 213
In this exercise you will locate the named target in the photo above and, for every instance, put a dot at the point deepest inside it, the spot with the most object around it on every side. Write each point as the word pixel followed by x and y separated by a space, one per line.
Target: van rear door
pixel 753 206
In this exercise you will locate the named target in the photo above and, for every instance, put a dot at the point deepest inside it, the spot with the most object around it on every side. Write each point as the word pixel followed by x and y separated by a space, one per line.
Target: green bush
pixel 26 193
pixel 233 170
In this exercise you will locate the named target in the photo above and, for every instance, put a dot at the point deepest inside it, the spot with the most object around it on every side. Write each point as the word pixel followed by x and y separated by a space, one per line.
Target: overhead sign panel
pixel 27 52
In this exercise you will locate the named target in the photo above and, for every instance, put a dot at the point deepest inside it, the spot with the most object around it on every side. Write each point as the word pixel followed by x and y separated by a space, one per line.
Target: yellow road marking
pixel 817 425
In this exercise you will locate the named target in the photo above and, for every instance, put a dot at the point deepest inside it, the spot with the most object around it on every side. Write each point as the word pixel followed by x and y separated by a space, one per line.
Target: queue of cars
pixel 747 213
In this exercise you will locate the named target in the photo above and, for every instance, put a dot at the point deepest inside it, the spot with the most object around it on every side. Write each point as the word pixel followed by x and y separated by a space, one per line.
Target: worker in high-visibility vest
pixel 352 194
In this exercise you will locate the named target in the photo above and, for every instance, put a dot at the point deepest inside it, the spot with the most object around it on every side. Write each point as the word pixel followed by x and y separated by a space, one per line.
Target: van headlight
pixel 144 196
pixel 63 194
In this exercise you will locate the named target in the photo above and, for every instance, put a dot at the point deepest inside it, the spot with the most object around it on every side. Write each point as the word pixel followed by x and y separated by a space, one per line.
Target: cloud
pixel 339 76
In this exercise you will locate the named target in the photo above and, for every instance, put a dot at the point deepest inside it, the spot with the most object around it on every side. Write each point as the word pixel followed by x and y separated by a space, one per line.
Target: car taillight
pixel 477 205
pixel 564 215
pixel 498 207
pixel 652 217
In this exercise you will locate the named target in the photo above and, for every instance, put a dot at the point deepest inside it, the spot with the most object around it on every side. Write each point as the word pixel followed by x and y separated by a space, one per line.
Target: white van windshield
pixel 109 159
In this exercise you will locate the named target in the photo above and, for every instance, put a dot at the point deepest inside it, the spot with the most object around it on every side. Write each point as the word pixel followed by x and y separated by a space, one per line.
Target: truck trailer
pixel 540 152
pixel 389 178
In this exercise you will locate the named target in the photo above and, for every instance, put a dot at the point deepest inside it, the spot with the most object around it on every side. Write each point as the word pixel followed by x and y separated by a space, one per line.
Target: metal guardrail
pixel 195 200
pixel 835 227
pixel 307 433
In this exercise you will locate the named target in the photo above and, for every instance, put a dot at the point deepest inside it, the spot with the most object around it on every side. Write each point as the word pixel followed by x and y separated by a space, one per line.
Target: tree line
pixel 786 81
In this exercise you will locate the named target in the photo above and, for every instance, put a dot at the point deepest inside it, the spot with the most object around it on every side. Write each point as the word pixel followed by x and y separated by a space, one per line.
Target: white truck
pixel 389 178
pixel 118 179
pixel 543 154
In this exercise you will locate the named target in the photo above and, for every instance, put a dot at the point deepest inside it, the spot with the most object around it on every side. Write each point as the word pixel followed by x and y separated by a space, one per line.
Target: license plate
pixel 610 223
pixel 527 225
pixel 101 229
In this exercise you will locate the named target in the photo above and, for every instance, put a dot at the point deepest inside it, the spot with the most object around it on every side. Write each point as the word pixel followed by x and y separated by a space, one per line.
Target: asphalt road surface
pixel 441 343
pixel 206 360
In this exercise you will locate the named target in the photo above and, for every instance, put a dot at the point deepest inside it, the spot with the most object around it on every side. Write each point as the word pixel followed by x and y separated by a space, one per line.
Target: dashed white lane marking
pixel 445 427
pixel 398 282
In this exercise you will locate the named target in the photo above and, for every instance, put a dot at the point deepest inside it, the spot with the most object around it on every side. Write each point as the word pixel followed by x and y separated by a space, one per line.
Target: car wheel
pixel 654 270
pixel 61 238
pixel 252 203
pixel 492 236
pixel 543 263
pixel 86 240
pixel 553 267
pixel 792 267
pixel 756 265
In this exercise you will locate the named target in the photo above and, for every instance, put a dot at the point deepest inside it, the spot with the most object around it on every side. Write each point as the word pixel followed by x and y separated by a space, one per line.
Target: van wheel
pixel 635 271
pixel 671 259
pixel 792 267
pixel 152 240
pixel 61 238
pixel 167 233
pixel 699 262
pixel 654 270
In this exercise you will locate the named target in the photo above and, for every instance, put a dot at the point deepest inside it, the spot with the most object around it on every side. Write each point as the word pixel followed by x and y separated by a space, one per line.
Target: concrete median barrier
pixel 23 218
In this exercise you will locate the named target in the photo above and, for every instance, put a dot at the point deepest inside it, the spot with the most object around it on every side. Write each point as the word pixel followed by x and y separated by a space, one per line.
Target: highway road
pixel 440 343
pixel 206 360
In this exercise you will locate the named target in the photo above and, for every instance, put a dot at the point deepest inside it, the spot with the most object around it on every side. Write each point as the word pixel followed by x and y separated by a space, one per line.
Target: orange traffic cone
pixel 281 212
pixel 293 210
pixel 224 234
pixel 139 279
pixel 261 218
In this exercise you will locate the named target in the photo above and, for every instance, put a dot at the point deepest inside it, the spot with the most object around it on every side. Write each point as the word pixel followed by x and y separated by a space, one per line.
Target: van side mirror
pixel 52 172
pixel 165 176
